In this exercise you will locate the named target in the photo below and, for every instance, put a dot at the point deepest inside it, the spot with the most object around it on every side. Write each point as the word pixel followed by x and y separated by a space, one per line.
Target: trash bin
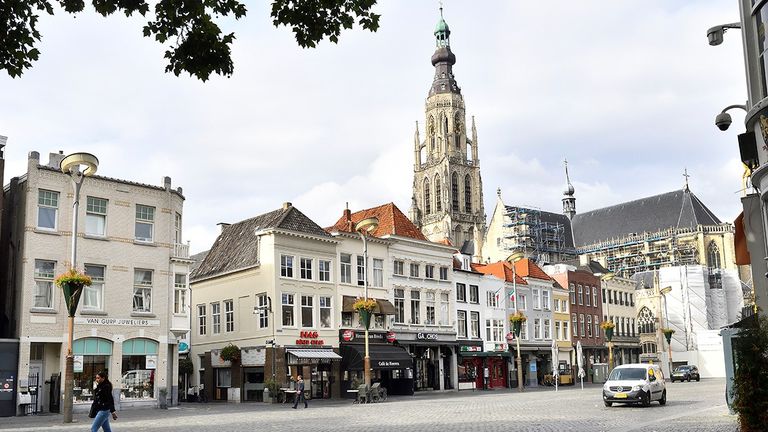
pixel 601 372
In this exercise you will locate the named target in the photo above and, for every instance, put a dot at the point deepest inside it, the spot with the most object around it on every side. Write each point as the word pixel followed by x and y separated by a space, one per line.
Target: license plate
pixel 620 395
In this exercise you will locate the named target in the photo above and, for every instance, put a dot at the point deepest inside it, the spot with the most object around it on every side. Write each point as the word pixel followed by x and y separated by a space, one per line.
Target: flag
pixel 512 295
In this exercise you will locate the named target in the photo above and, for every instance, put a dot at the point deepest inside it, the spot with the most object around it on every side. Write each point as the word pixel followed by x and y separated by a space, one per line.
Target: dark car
pixel 686 373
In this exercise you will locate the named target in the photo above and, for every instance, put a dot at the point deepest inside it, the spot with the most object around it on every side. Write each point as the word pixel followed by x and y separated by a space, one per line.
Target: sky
pixel 627 91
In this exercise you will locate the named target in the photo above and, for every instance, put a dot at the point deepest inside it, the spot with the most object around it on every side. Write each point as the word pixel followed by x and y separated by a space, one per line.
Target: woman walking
pixel 103 404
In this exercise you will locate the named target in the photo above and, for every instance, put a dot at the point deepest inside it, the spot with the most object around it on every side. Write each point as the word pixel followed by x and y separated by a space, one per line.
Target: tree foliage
pixel 750 381
pixel 196 44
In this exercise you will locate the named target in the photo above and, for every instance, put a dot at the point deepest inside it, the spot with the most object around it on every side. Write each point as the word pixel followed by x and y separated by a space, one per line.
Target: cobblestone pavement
pixel 698 407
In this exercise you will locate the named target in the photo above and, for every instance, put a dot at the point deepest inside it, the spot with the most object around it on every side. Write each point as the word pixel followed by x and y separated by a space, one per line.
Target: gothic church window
pixel 467 194
pixel 457 130
pixel 646 321
pixel 455 192
pixel 438 195
pixel 713 255
pixel 431 133
pixel 427 207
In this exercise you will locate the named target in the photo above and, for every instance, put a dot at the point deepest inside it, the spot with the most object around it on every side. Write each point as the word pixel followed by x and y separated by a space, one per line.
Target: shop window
pixel 138 369
pixel 91 356
pixel 223 377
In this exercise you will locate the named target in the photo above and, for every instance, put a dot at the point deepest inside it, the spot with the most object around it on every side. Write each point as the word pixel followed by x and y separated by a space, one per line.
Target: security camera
pixel 715 35
pixel 723 121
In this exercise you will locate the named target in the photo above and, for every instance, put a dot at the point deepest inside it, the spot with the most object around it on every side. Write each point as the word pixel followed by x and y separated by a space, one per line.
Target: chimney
pixel 348 217
pixel 223 226
pixel 167 183
pixel 54 159
pixel 34 155
pixel 3 140
pixel 287 205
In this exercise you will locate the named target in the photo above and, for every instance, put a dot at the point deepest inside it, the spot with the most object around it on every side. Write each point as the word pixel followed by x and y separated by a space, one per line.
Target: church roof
pixel 236 247
pixel 677 209
pixel 391 222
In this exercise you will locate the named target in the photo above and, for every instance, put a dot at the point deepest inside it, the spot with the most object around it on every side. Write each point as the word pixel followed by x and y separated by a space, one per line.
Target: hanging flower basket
pixel 230 353
pixel 517 319
pixel 365 308
pixel 668 332
pixel 71 283
pixel 608 327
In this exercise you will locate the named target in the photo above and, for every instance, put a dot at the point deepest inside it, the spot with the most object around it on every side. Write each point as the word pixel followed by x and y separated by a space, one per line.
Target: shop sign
pixel 151 362
pixel 183 347
pixel 388 363
pixel 475 348
pixel 500 347
pixel 510 336
pixel 77 363
pixel 307 337
pixel 129 322
pixel 348 335
pixel 426 336
pixel 391 336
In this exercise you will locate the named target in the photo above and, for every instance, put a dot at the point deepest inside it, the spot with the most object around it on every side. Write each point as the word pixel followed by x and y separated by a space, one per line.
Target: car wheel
pixel 663 400
pixel 689 378
pixel 698 378
pixel 647 399
pixel 608 404
pixel 673 380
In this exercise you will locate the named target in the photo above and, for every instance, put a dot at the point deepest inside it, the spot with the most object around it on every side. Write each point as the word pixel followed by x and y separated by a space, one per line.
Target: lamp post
pixel 515 257
pixel 71 165
pixel 664 291
pixel 363 228
pixel 605 278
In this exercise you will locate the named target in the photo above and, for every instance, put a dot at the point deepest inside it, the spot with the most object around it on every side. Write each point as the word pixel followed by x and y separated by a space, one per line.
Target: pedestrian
pixel 103 404
pixel 299 392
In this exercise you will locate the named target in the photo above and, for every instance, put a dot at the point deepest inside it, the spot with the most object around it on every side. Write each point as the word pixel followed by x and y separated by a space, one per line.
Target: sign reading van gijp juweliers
pixel 129 322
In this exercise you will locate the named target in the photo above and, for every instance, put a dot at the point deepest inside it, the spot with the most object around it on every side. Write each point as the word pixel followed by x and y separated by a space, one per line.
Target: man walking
pixel 299 392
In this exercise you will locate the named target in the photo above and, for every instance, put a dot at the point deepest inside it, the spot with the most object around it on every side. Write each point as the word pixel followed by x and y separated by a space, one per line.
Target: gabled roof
pixel 391 222
pixel 236 248
pixel 677 209
pixel 527 268
pixel 500 269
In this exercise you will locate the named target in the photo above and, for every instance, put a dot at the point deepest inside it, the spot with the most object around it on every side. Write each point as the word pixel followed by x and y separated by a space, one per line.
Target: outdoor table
pixel 287 392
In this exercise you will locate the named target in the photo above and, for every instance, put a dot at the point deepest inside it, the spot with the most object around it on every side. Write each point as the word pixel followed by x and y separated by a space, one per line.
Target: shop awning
pixel 382 357
pixel 304 356
pixel 382 306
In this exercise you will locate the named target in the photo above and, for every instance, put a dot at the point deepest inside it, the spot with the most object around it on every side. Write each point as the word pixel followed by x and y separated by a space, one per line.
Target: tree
pixel 750 381
pixel 196 43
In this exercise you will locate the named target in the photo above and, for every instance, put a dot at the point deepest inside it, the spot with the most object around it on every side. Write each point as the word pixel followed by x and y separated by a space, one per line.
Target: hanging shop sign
pixel 77 363
pixel 391 337
pixel 308 337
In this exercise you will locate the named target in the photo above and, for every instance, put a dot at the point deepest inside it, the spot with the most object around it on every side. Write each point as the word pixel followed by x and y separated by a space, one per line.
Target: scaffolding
pixel 645 253
pixel 542 241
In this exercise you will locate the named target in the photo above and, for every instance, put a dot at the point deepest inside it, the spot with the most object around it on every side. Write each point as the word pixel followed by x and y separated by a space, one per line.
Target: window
pixel 307 311
pixel 581 295
pixel 455 192
pixel 229 316
pixel 145 223
pixel 582 330
pixel 323 270
pixel 610 297
pixel 427 198
pixel 286 266
pixel 631 300
pixel 488 334
pixel 47 209
pixel 216 317
pixel 430 317
pixel 566 335
pixel 633 327
pixel 603 295
pixel 96 216
pixel 586 296
pixel 492 299
pixel 524 330
pixel 438 195
pixel 537 328
pixel 399 306
pixel 44 273
pixel 177 227
pixel 474 295
pixel 557 305
pixel 475 324
pixel 575 325
pixel 345 268
pixel 287 303
pixel 547 329
pixel 378 321
pixel 713 255
pixel 179 293
pixel 360 270
pixel 305 268
pixel 572 292
pixel 558 334
pixel 414 270
pixel 462 324
pixel 461 292
pixel 523 303
pixel 378 272
pixel 536 299
pixel 589 325
pixel 93 296
pixel 497 333
pixel 415 306
pixel 467 194
pixel 564 306
pixel 398 268
pixel 142 290
pixel 262 301
pixel 429 271
pixel 223 377
pixel 444 301
pixel 201 317
pixel 596 323
pixel 325 312
pixel 594 296
pixel 443 273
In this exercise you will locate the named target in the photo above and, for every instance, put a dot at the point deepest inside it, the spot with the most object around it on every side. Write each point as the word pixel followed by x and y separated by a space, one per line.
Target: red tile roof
pixel 391 222
pixel 501 269
pixel 527 268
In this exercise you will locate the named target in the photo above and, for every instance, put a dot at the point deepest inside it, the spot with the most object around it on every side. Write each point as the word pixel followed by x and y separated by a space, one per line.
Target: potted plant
pixel 71 283
pixel 162 399
pixel 272 390
pixel 230 353
pixel 517 319
pixel 365 308
pixel 608 327
pixel 668 332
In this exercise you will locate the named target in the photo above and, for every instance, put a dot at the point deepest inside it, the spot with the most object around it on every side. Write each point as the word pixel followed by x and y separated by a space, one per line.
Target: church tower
pixel 569 201
pixel 447 201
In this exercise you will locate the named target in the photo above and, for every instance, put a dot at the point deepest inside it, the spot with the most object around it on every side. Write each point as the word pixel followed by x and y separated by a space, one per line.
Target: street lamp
pixel 605 277
pixel 364 227
pixel 664 291
pixel 715 34
pixel 515 257
pixel 72 165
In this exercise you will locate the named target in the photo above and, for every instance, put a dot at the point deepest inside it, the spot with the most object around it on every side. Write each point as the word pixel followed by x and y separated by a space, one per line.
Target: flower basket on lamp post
pixel 668 332
pixel 608 327
pixel 72 283
pixel 516 320
pixel 365 308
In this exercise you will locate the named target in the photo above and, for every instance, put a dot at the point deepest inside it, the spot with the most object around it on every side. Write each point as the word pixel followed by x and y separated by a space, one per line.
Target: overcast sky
pixel 627 91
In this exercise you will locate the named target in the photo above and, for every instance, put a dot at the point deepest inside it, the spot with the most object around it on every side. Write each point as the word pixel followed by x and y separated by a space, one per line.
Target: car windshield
pixel 683 368
pixel 627 374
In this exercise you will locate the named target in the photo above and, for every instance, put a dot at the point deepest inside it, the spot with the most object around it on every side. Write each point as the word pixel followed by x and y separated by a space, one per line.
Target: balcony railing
pixel 181 250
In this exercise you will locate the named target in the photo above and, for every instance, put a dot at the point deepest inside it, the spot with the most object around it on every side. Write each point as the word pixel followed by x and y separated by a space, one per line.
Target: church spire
pixel 443 60
pixel 569 201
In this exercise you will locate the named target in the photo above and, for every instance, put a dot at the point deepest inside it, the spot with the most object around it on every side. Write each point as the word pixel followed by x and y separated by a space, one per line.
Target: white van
pixel 635 383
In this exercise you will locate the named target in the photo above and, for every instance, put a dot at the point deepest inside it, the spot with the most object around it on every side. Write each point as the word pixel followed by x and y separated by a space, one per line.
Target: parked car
pixel 685 372
pixel 635 383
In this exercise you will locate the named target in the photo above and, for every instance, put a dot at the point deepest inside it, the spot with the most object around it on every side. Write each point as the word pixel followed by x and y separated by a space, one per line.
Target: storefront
pixel 434 359
pixel 391 365
pixel 316 365
pixel 91 355
pixel 253 360
pixel 139 363
pixel 483 369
